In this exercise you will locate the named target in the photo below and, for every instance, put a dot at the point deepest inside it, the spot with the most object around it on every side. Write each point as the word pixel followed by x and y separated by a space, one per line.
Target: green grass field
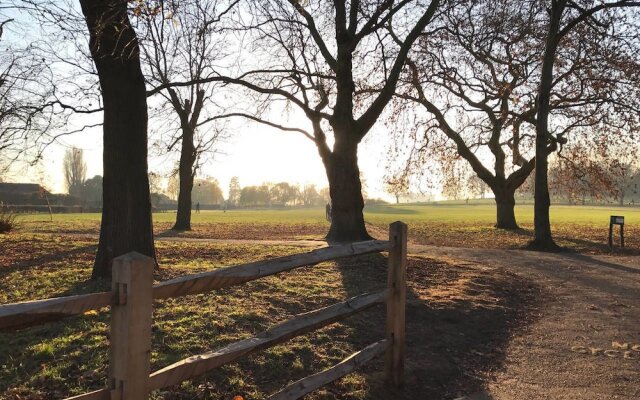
pixel 578 227
pixel 70 357
pixel 442 212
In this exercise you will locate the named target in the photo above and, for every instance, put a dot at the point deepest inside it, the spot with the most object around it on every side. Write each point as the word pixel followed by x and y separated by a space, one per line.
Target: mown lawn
pixel 579 228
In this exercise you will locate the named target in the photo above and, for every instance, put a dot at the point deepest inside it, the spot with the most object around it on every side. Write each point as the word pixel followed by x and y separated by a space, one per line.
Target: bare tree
pixel 480 95
pixel 75 170
pixel 332 61
pixel 397 185
pixel 233 197
pixel 477 95
pixel 569 23
pixel 27 124
pixel 181 41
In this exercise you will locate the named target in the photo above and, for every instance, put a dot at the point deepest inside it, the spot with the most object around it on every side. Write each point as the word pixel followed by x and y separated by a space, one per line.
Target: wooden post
pixel 396 284
pixel 130 347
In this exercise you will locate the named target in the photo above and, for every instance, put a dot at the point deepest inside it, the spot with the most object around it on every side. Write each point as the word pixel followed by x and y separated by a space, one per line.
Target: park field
pixel 580 228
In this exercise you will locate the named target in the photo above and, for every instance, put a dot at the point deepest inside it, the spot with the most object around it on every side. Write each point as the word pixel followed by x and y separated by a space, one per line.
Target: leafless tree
pixel 126 215
pixel 27 122
pixel 570 23
pixel 480 93
pixel 181 41
pixel 334 62
pixel 75 170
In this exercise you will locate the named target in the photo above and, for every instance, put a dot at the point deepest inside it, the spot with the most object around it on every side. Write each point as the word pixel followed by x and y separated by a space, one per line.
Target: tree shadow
pixel 602 263
pixel 56 255
pixel 459 321
pixel 579 269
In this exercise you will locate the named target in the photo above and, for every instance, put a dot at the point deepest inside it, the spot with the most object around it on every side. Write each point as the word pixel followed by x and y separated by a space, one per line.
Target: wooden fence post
pixel 131 313
pixel 396 284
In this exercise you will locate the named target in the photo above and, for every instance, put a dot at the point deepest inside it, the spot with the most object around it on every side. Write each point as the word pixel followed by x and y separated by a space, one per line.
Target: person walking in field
pixel 198 208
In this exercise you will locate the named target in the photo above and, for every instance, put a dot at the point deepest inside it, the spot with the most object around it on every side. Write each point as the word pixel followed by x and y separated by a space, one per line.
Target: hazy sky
pixel 255 153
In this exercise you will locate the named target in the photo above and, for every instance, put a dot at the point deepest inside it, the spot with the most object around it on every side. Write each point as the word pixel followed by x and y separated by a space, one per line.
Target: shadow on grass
pixel 57 255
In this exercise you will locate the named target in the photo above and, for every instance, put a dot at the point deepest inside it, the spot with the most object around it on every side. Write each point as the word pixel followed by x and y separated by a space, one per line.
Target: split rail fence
pixel 131 301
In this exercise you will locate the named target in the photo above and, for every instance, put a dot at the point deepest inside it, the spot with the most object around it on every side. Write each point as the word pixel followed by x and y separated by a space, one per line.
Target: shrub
pixel 7 221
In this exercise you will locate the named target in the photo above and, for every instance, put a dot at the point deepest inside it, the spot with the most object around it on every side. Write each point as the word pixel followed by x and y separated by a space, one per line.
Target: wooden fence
pixel 131 301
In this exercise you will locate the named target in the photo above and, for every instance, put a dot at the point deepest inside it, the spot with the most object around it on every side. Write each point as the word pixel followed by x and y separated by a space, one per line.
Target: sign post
pixel 616 220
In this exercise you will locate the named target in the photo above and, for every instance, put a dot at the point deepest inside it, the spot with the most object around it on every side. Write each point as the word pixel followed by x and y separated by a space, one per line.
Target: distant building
pixel 23 193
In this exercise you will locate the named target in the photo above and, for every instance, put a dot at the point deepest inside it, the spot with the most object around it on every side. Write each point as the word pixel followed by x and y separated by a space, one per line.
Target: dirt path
pixel 568 353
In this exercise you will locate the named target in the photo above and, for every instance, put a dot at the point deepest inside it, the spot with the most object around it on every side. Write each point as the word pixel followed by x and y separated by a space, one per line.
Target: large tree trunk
pixel 505 209
pixel 345 188
pixel 126 213
pixel 542 225
pixel 187 160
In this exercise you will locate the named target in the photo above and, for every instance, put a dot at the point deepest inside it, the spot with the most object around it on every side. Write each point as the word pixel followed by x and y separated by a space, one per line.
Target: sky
pixel 254 153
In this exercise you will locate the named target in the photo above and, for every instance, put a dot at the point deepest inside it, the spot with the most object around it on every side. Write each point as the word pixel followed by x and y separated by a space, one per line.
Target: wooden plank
pixel 229 276
pixel 102 394
pixel 396 303
pixel 196 365
pixel 28 313
pixel 130 347
pixel 307 385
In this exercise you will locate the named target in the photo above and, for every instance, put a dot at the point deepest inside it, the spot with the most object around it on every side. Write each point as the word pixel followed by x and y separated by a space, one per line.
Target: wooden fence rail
pixel 131 301
pixel 29 313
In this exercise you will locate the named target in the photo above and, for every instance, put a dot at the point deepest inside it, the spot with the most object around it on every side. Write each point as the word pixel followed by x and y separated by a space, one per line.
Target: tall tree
pixel 332 61
pixel 27 124
pixel 126 214
pixel 75 170
pixel 208 191
pixel 233 197
pixel 570 23
pixel 181 42
pixel 477 95
pixel 480 95
pixel 397 185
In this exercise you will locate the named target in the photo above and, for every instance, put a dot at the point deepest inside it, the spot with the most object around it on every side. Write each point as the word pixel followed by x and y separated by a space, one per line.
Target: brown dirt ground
pixel 565 350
